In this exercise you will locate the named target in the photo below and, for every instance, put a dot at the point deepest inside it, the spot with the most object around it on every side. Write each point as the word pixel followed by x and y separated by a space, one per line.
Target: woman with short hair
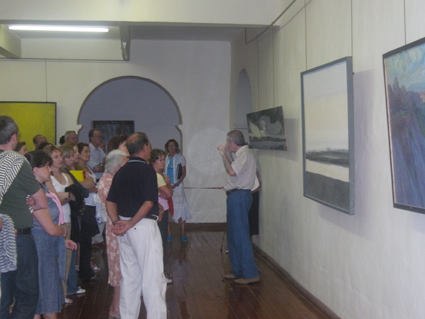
pixel 113 163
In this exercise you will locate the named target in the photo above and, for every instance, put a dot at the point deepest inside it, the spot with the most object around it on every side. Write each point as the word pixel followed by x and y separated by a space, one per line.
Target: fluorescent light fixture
pixel 60 28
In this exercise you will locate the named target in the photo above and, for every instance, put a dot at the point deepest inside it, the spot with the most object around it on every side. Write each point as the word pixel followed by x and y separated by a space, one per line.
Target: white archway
pixel 137 99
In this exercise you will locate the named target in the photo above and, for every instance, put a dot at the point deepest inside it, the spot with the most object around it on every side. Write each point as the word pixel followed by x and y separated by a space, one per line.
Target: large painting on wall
pixel 328 134
pixel 266 129
pixel 404 74
pixel 32 118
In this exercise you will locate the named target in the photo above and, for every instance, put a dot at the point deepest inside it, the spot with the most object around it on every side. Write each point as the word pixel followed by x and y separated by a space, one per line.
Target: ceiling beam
pixel 125 42
pixel 10 44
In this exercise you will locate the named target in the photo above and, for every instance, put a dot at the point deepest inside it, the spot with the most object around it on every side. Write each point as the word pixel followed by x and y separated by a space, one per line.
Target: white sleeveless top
pixel 61 188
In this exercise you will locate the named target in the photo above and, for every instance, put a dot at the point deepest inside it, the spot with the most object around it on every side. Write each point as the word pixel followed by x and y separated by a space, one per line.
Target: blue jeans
pixel 21 283
pixel 72 286
pixel 241 254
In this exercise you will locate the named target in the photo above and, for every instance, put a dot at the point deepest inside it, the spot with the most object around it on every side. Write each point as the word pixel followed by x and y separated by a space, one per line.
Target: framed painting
pixel 328 134
pixel 32 118
pixel 111 128
pixel 404 76
pixel 266 129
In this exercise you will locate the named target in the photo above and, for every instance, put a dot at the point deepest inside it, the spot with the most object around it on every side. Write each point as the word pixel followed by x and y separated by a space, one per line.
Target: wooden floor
pixel 199 291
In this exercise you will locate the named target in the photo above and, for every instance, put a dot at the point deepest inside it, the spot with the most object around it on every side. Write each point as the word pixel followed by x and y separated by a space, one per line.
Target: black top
pixel 134 184
pixel 83 190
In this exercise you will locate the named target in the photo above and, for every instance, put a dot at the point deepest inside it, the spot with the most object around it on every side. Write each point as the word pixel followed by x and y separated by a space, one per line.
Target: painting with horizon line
pixel 328 134
pixel 404 74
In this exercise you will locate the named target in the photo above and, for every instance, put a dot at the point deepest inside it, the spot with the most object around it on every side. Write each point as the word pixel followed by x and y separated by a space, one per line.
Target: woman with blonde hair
pixel 157 160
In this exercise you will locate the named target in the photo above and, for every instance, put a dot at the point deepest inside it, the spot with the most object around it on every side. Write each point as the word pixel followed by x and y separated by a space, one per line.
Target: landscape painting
pixel 404 73
pixel 328 134
pixel 267 130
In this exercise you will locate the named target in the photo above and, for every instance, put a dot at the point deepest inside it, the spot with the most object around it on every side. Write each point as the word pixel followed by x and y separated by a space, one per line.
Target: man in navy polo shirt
pixel 132 205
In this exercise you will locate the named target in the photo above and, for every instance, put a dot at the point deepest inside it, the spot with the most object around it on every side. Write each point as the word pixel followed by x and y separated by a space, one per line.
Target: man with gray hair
pixel 17 183
pixel 238 187
pixel 97 155
pixel 71 137
pixel 132 206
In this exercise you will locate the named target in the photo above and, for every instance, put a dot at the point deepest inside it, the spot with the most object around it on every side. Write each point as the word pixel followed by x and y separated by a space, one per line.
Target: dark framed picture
pixel 111 128
pixel 328 134
pixel 404 76
pixel 266 129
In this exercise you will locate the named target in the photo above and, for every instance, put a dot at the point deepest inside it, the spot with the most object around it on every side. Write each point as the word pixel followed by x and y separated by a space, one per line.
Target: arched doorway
pixel 137 99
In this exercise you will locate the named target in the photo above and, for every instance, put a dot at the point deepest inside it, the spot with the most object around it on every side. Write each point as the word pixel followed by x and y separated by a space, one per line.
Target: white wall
pixel 195 74
pixel 370 265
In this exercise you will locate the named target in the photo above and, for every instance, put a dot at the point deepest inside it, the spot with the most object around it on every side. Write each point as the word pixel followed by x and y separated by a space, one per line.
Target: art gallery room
pixel 193 69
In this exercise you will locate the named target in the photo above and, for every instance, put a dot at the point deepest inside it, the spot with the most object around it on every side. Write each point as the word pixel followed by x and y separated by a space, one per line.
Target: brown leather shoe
pixel 230 276
pixel 243 281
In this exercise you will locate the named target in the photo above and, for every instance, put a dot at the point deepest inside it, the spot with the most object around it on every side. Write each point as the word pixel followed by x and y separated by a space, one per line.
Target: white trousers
pixel 142 270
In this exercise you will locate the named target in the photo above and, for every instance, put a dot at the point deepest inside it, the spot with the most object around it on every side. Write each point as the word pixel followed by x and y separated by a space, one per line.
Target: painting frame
pixel 110 128
pixel 32 118
pixel 266 129
pixel 405 100
pixel 327 96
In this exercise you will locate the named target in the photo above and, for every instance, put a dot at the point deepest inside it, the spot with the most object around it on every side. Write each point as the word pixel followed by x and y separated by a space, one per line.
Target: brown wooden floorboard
pixel 199 291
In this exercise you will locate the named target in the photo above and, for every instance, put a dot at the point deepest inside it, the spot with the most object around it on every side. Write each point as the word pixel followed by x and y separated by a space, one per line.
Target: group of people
pixel 54 198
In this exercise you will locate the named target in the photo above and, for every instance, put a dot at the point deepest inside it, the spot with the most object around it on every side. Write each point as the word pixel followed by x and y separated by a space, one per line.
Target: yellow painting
pixel 32 118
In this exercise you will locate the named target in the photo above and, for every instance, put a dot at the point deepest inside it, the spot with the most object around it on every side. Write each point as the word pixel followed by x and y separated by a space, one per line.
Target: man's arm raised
pixel 226 161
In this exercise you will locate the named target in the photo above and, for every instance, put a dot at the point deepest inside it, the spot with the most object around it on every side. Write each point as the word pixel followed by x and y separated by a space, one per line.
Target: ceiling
pixel 114 45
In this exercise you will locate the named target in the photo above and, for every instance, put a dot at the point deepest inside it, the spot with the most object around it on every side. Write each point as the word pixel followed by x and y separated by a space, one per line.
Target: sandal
pixel 113 315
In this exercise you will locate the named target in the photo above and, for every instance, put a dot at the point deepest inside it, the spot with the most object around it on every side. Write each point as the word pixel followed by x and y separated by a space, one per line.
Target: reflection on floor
pixel 199 291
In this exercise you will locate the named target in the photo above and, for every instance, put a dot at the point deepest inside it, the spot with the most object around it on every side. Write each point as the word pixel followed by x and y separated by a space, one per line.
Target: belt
pixel 154 217
pixel 235 190
pixel 24 231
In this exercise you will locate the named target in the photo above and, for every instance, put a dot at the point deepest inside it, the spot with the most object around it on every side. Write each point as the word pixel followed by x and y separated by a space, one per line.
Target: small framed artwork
pixel 266 129
pixel 328 134
pixel 404 76
pixel 32 118
pixel 111 128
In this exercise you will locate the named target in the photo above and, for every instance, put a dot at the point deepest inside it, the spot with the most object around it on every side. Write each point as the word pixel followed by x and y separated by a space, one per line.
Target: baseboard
pixel 310 297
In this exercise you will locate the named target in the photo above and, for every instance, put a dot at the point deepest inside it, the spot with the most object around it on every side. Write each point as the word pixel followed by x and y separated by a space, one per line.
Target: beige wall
pixel 195 73
pixel 369 265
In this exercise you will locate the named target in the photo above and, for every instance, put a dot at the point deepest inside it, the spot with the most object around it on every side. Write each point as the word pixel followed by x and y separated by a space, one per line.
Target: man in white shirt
pixel 97 155
pixel 238 187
